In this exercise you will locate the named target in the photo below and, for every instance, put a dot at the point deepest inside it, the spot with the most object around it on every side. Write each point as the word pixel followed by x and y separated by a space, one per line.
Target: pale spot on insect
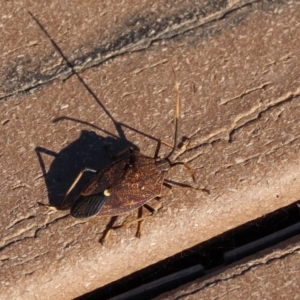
pixel 106 193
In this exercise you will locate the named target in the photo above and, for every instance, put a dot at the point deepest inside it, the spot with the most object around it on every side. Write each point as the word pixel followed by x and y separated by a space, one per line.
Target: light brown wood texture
pixel 237 63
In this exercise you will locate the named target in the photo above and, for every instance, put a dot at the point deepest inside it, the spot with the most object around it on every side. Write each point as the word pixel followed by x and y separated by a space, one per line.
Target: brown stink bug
pixel 126 184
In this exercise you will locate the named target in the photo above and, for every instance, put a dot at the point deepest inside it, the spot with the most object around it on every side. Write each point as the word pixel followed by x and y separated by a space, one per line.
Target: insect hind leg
pixel 140 223
pixel 140 220
pixel 62 204
pixel 108 229
pixel 75 182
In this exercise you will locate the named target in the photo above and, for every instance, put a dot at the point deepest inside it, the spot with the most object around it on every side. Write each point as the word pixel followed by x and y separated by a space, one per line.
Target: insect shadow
pixel 90 150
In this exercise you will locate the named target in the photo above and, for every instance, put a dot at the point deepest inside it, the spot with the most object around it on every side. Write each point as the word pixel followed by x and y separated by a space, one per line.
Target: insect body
pixel 126 184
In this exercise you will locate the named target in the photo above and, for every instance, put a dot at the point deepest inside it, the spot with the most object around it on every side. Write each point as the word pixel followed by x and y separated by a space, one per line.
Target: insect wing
pixel 125 197
pixel 92 198
pixel 135 188
pixel 108 177
pixel 87 206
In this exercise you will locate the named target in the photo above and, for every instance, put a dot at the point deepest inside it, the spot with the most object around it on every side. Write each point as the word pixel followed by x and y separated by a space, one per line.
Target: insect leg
pixel 151 209
pixel 159 145
pixel 77 179
pixel 114 157
pixel 75 182
pixel 171 183
pixel 157 149
pixel 177 115
pixel 61 206
pixel 141 219
pixel 191 171
pixel 169 186
pixel 140 223
pixel 108 229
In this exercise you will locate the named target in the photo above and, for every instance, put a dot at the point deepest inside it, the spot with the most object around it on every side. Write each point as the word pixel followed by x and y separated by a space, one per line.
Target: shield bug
pixel 126 184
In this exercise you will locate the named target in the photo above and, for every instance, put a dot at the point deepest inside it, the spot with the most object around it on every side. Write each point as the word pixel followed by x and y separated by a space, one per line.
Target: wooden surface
pixel 237 63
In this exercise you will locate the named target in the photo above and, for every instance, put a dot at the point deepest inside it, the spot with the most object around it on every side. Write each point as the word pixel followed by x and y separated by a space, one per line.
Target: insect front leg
pixel 191 171
pixel 170 184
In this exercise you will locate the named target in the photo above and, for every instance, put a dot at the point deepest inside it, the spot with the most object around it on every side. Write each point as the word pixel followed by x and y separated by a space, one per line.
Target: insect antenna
pixel 176 117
